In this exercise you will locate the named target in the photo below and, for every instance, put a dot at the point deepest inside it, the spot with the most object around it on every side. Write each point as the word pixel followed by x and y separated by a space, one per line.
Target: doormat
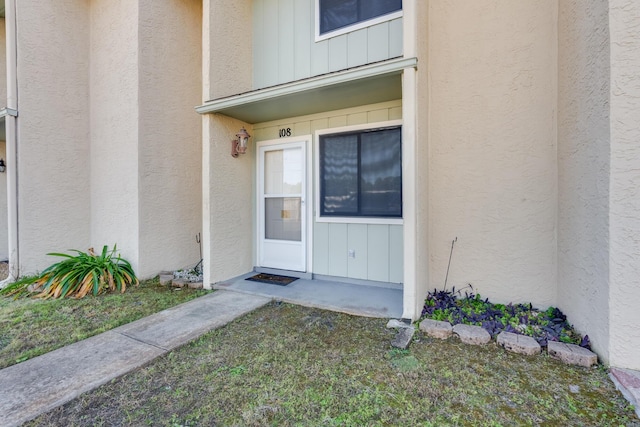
pixel 272 279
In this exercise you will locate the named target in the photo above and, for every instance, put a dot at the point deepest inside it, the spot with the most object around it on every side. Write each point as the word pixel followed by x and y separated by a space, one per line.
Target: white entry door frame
pixel 284 204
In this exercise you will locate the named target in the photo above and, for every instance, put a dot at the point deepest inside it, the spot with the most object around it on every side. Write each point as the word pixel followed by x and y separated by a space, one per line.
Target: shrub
pixel 523 319
pixel 77 275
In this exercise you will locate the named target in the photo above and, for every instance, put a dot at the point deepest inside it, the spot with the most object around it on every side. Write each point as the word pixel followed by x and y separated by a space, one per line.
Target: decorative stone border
pixel 568 353
pixel 520 344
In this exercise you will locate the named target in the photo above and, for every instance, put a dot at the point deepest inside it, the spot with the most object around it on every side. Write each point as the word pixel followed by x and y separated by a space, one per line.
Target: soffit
pixel 369 84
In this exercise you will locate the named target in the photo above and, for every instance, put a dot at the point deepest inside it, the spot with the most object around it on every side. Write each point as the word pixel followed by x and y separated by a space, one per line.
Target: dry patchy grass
pixel 31 327
pixel 288 365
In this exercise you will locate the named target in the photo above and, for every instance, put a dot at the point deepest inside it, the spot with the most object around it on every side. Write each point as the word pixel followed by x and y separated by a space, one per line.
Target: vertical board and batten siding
pixel 285 50
pixel 378 248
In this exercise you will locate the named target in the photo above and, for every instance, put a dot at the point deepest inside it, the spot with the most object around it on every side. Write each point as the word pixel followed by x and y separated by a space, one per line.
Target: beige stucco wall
pixel 4 235
pixel 170 134
pixel 227 183
pixel 583 168
pixel 624 219
pixel 227 53
pixel 227 201
pixel 146 137
pixel 3 63
pixel 115 126
pixel 492 146
pixel 53 192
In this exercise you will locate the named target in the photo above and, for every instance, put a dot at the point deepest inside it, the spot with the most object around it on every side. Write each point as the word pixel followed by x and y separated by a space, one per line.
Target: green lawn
pixel 285 365
pixel 30 327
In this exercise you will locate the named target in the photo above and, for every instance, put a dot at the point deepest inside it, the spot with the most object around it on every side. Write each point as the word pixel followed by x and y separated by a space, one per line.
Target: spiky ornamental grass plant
pixel 79 274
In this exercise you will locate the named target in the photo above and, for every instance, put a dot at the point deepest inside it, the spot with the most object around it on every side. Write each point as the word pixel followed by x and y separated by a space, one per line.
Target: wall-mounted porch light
pixel 3 166
pixel 239 146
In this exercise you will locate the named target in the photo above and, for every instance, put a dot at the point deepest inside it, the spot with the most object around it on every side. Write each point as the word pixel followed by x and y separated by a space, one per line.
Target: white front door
pixel 282 229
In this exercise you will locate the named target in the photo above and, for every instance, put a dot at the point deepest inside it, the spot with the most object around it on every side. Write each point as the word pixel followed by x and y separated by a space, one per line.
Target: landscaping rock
pixel 469 334
pixel 398 324
pixel 166 278
pixel 195 285
pixel 436 328
pixel 178 283
pixel 572 354
pixel 520 344
pixel 403 337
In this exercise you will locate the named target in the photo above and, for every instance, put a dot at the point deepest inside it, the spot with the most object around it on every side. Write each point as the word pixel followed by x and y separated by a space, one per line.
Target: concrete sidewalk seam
pixel 166 350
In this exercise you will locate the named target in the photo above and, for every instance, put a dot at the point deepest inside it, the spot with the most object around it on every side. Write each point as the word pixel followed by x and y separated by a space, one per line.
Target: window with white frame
pixel 360 173
pixel 340 16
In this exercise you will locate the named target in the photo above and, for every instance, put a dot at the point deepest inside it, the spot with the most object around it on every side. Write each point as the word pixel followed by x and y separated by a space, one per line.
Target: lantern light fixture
pixel 239 145
pixel 3 166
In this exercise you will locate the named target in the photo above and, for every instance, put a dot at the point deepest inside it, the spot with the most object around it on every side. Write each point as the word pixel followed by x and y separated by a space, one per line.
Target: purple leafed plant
pixel 524 319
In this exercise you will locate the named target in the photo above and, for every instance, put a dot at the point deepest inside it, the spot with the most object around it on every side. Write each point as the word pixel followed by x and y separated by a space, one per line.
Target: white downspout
pixel 12 140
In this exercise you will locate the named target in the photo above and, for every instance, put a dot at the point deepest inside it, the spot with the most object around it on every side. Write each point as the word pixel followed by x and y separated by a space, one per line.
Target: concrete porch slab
pixel 355 299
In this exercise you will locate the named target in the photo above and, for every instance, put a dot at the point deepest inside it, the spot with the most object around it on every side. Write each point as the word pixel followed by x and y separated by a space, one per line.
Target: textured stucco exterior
pixel 227 48
pixel 227 201
pixel 170 135
pixel 115 126
pixel 492 147
pixel 53 129
pixel 227 183
pixel 3 63
pixel 583 168
pixel 108 142
pixel 4 235
pixel 624 218
pixel 145 137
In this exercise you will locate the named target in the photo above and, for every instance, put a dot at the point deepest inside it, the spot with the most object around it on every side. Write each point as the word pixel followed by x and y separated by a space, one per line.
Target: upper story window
pixel 337 17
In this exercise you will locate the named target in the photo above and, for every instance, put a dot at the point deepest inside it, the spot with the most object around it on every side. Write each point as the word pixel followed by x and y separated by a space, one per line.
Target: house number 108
pixel 285 132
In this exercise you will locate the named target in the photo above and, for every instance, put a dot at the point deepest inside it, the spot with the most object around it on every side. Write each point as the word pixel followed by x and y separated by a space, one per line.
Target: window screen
pixel 336 14
pixel 361 174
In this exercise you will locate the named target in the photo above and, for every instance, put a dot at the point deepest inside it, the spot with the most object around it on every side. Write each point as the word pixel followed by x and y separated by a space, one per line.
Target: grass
pixel 287 365
pixel 31 327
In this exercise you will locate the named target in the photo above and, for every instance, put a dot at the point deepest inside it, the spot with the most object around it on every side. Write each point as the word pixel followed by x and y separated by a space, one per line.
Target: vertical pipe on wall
pixel 12 139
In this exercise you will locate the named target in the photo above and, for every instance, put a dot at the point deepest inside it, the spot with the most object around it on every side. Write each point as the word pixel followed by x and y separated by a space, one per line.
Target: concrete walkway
pixel 38 385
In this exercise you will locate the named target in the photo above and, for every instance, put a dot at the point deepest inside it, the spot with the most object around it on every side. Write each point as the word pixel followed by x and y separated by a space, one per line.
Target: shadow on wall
pixel 4 235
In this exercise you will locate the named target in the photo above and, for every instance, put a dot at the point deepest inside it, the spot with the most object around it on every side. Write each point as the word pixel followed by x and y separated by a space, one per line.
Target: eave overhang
pixel 364 85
